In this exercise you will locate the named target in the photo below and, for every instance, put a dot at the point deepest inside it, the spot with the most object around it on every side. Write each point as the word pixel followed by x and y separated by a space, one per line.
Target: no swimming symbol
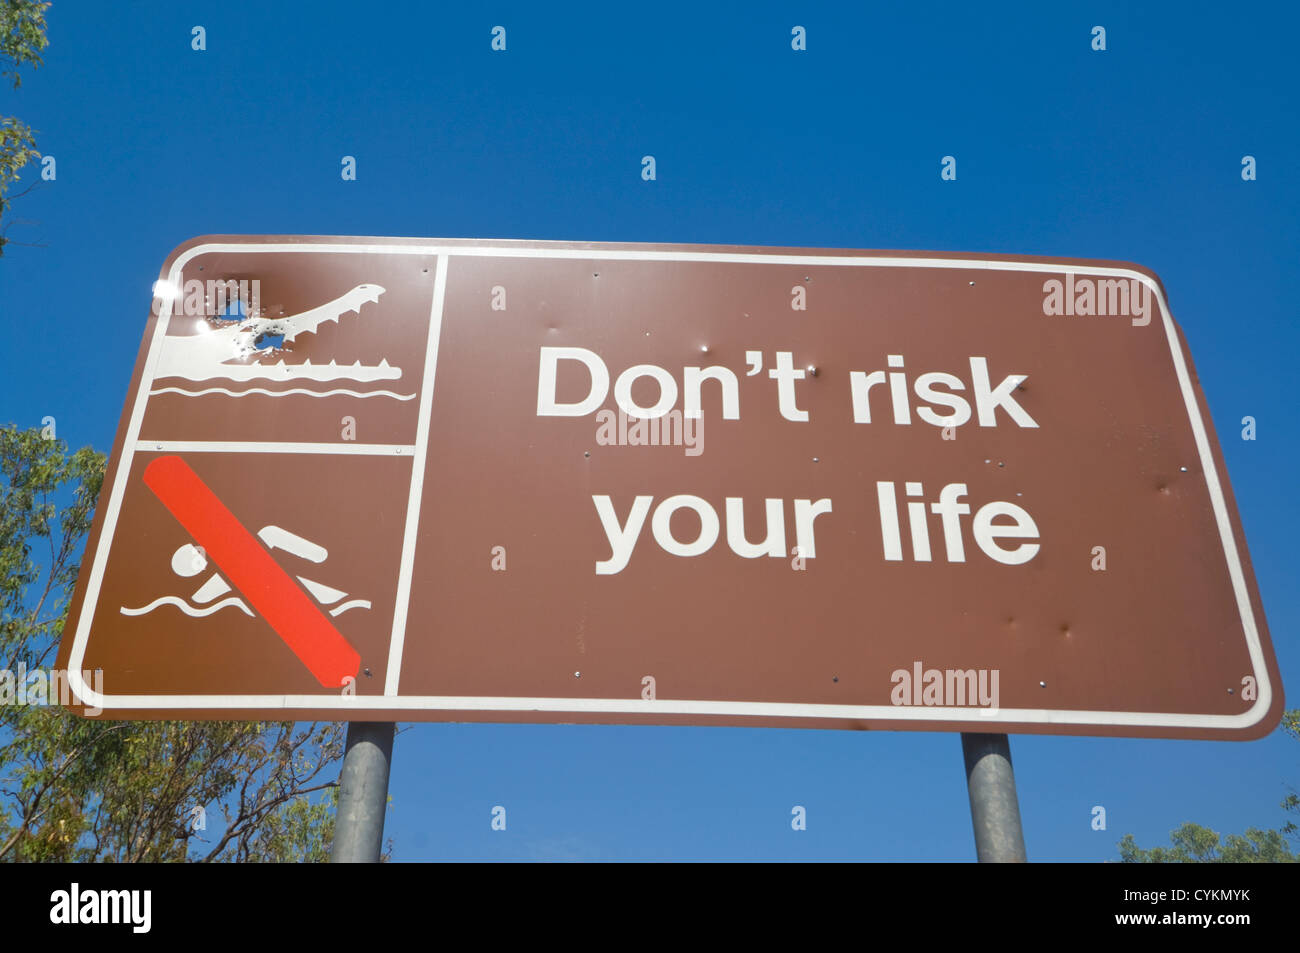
pixel 269 589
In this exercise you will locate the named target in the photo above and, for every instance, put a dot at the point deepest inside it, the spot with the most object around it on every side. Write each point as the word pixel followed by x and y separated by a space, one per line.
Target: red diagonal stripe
pixel 249 567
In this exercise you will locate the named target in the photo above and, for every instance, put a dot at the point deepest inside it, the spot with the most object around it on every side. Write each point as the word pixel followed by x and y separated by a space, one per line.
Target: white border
pixel 390 701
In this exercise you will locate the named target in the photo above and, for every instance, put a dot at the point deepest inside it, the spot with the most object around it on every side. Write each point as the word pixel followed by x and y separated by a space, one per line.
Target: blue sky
pixel 1133 153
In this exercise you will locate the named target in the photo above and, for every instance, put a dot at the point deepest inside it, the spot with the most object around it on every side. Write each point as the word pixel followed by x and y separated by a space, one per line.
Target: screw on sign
pixel 249 566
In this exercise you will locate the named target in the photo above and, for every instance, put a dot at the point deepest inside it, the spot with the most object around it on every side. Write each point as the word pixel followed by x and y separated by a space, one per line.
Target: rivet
pixel 1042 684
pixel 972 284
pixel 595 274
pixel 816 460
pixel 577 675
pixel 835 678
pixel 586 453
pixel 1230 691
pixel 159 447
pixel 1183 469
pixel 1001 464
pixel 367 671
pixel 812 369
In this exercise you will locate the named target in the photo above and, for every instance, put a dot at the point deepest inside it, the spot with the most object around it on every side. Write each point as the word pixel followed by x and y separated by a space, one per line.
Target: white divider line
pixel 398 640
pixel 271 446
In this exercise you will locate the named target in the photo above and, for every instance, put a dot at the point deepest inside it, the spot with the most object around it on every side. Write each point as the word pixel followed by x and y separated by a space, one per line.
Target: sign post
pixel 363 793
pixel 994 806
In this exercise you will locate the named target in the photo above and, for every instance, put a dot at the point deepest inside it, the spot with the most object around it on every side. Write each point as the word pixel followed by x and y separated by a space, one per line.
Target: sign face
pixel 397 479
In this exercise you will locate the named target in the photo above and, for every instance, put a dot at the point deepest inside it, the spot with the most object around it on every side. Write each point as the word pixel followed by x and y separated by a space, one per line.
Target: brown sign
pixel 464 480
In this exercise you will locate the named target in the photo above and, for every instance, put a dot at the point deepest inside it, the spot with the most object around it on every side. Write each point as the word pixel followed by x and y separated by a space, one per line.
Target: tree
pixel 1193 843
pixel 22 40
pixel 77 789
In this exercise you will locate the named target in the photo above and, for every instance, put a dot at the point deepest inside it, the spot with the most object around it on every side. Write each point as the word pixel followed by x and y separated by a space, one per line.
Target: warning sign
pixel 545 481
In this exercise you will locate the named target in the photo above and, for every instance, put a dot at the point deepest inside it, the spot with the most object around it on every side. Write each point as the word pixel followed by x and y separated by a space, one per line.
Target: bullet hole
pixel 595 274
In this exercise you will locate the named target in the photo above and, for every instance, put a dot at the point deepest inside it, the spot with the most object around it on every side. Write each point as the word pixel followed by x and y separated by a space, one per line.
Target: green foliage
pixel 1193 844
pixel 1291 803
pixel 17 148
pixel 22 40
pixel 77 789
pixel 22 36
pixel 33 470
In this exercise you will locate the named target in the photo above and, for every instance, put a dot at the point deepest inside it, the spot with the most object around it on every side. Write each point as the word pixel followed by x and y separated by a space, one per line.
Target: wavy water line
pixel 279 393
pixel 354 604
pixel 186 607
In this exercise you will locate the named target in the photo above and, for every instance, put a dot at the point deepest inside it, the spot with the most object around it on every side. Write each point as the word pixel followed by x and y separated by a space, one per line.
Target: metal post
pixel 994 808
pixel 363 793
